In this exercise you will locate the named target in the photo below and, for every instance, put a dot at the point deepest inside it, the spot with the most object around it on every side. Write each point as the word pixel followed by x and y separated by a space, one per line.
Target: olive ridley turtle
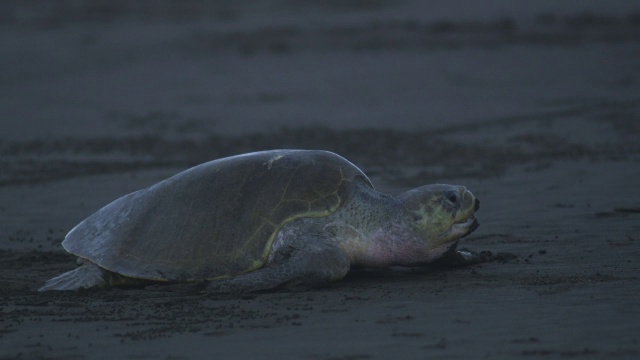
pixel 265 220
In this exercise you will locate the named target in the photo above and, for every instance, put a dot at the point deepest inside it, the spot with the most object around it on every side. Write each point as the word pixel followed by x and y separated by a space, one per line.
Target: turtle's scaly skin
pixel 215 220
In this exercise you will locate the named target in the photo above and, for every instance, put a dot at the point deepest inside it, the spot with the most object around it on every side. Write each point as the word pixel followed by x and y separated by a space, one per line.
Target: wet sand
pixel 536 110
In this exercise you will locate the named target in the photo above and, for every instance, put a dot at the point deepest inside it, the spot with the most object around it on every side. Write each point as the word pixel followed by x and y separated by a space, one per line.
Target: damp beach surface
pixel 534 107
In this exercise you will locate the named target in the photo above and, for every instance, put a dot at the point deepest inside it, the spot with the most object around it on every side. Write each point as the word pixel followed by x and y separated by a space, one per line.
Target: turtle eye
pixel 452 197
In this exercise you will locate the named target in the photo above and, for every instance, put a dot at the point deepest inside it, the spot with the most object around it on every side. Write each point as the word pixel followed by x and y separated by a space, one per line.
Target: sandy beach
pixel 534 107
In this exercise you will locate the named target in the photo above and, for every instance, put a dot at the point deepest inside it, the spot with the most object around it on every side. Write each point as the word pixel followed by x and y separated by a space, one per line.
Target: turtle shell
pixel 215 220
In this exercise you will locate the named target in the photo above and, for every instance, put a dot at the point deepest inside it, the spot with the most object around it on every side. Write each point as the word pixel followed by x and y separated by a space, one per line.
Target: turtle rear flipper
pixel 86 276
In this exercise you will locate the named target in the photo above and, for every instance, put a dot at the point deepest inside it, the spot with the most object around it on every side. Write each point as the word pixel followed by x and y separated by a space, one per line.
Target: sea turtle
pixel 264 220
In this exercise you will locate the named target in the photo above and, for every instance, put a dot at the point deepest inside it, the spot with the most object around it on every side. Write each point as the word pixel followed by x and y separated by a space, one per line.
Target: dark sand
pixel 536 108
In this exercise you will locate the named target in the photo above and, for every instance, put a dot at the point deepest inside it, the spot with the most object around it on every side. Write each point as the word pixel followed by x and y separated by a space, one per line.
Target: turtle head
pixel 442 214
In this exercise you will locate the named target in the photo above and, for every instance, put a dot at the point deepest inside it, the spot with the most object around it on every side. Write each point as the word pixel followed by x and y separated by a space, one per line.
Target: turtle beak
pixel 474 225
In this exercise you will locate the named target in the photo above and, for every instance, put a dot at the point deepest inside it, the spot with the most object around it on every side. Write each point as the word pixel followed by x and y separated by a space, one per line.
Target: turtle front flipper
pixel 463 257
pixel 299 269
pixel 86 276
